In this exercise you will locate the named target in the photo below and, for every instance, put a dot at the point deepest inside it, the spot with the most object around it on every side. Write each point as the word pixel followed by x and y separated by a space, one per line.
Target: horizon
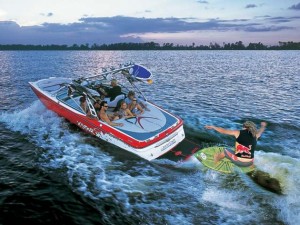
pixel 179 22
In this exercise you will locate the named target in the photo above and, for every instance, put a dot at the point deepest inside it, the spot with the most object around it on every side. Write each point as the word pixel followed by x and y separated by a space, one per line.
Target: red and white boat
pixel 149 135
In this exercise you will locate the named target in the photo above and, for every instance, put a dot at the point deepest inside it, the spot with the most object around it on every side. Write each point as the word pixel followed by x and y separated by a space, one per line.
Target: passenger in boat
pixel 101 91
pixel 97 106
pixel 245 144
pixel 107 118
pixel 84 106
pixel 131 96
pixel 124 111
pixel 114 91
pixel 135 107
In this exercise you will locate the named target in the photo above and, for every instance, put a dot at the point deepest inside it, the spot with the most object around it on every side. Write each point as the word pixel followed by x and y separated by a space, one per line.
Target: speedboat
pixel 149 135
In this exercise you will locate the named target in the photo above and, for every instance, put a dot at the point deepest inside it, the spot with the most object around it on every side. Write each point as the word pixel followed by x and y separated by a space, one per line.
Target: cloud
pixel 47 14
pixel 122 25
pixel 250 6
pixel 126 29
pixel 266 28
pixel 281 19
pixel 202 2
pixel 295 7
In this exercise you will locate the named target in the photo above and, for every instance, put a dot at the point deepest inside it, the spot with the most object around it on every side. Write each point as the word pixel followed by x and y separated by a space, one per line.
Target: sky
pixel 183 22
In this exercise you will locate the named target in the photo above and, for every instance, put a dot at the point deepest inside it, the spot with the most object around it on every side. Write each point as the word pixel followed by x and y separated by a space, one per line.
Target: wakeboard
pixel 206 157
pixel 187 149
pixel 263 179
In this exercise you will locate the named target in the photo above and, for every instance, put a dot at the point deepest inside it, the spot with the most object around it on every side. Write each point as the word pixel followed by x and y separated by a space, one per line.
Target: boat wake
pixel 129 187
pixel 117 187
pixel 275 172
pixel 286 170
pixel 60 147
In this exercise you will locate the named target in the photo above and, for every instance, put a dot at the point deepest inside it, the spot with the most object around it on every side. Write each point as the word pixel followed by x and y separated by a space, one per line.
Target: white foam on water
pixel 86 169
pixel 62 149
pixel 226 200
pixel 232 207
pixel 286 170
pixel 191 163
pixel 172 195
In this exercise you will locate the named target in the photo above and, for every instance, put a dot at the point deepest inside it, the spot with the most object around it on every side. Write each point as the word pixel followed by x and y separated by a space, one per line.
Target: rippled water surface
pixel 53 173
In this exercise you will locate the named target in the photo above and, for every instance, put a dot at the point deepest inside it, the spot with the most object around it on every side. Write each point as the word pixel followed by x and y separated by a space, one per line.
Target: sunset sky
pixel 176 21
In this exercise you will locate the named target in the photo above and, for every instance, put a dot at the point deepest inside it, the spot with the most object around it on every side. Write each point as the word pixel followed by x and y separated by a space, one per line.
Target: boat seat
pixel 113 104
pixel 93 92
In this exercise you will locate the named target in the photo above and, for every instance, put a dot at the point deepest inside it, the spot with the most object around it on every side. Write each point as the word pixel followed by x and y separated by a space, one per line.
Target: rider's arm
pixel 261 129
pixel 221 130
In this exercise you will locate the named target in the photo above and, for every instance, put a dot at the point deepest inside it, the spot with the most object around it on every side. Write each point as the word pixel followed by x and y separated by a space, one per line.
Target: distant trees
pixel 257 46
pixel 234 46
pixel 155 46
pixel 289 45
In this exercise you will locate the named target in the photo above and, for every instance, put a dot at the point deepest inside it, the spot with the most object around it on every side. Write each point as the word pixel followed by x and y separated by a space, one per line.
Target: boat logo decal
pixel 86 128
pixel 203 156
pixel 168 144
pixel 138 120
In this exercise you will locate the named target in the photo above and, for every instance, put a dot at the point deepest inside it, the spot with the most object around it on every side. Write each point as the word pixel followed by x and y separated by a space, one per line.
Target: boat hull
pixel 149 149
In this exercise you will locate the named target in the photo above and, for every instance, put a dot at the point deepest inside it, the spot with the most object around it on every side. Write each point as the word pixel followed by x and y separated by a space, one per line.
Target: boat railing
pixel 107 74
pixel 110 71
pixel 91 107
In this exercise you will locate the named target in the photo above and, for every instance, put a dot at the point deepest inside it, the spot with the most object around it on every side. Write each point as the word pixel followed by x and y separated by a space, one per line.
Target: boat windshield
pixel 70 100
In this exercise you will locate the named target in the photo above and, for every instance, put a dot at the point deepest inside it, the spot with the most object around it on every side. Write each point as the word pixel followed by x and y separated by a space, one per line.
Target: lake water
pixel 53 173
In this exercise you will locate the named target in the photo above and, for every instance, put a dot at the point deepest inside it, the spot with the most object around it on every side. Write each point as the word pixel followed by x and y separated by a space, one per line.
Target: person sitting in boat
pixel 131 96
pixel 114 91
pixel 135 108
pixel 84 106
pixel 97 106
pixel 99 88
pixel 107 118
pixel 124 111
pixel 245 144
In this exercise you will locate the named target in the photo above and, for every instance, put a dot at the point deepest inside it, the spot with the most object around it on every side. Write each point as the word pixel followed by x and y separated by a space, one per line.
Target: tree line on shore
pixel 156 46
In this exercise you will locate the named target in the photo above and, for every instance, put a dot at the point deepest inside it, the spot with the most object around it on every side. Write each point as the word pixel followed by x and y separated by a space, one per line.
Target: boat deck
pixel 147 125
pixel 143 127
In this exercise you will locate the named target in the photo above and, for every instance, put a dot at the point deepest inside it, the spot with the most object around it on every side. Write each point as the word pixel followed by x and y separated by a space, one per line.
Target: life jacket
pixel 245 145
